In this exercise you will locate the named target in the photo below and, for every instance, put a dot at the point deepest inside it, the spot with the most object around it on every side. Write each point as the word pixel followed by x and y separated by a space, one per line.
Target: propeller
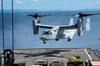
pixel 37 15
pixel 84 15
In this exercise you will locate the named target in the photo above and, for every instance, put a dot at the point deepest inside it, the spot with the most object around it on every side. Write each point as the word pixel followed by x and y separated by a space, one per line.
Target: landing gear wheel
pixel 44 42
pixel 57 39
pixel 79 34
pixel 69 39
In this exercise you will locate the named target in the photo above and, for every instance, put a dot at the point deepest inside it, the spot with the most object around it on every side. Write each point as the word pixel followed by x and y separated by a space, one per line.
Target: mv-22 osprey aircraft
pixel 61 32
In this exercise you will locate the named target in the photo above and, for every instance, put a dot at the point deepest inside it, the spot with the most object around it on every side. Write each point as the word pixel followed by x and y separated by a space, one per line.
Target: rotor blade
pixel 27 14
pixel 44 15
pixel 90 14
pixel 84 15
pixel 30 15
pixel 37 15
pixel 76 15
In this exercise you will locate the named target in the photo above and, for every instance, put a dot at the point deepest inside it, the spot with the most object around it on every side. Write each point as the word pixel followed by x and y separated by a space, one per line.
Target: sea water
pixel 25 39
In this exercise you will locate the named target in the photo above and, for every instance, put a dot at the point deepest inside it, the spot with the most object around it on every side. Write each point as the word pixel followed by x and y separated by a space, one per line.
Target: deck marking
pixel 88 54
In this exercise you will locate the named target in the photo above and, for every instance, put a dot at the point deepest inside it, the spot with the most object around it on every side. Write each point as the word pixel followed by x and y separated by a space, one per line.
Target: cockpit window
pixel 47 33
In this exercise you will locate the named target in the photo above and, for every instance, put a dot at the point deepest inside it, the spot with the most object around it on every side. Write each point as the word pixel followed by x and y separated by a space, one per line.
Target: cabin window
pixel 47 33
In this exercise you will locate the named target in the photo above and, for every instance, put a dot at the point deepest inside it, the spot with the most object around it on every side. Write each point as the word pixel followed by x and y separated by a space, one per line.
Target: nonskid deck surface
pixel 30 56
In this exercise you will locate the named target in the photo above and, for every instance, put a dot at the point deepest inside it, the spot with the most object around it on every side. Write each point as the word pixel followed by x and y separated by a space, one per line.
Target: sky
pixel 52 4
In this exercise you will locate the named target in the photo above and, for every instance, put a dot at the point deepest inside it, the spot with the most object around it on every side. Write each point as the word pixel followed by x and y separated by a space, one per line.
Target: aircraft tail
pixel 88 24
pixel 71 21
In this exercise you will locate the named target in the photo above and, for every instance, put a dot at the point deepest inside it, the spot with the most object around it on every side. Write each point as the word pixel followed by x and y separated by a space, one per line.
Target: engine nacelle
pixel 79 27
pixel 35 27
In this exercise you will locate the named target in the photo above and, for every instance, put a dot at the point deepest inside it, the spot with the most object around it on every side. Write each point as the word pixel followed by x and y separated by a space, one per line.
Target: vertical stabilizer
pixel 88 24
pixel 71 21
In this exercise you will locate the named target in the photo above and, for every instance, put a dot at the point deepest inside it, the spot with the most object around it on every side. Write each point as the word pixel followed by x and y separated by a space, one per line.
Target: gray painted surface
pixel 30 56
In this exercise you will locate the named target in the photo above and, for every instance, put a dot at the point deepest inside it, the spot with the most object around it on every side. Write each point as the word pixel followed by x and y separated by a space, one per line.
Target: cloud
pixel 35 0
pixel 20 1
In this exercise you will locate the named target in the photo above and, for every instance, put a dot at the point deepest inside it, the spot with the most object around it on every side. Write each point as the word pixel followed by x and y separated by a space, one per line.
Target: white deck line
pixel 88 54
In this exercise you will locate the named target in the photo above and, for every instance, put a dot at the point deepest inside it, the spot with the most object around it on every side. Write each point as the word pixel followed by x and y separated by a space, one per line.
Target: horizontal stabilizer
pixel 71 21
pixel 44 26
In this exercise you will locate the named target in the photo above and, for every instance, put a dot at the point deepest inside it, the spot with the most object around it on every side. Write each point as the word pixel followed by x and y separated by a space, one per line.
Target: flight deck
pixel 31 56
